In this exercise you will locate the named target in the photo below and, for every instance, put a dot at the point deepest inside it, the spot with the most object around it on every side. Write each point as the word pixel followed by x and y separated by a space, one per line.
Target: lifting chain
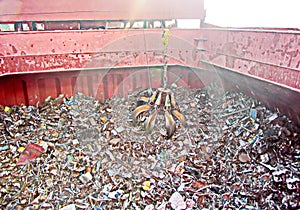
pixel 165 40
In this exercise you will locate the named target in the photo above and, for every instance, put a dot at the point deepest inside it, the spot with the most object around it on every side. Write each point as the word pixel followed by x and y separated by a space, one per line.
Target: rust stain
pixel 14 49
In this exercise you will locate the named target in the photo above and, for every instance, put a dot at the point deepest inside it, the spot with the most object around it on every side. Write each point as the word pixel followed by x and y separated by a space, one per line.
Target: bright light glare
pixel 253 13
pixel 188 23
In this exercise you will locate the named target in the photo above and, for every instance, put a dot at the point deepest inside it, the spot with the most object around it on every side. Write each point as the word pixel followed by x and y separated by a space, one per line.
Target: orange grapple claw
pixel 179 116
pixel 170 124
pixel 150 122
pixel 139 110
pixel 162 100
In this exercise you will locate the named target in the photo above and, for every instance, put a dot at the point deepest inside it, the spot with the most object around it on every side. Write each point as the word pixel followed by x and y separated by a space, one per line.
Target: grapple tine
pixel 150 122
pixel 144 99
pixel 173 103
pixel 139 110
pixel 153 97
pixel 179 116
pixel 167 102
pixel 158 100
pixel 170 124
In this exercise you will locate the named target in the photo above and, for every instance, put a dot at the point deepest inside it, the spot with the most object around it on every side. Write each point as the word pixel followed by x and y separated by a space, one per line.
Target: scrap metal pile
pixel 78 153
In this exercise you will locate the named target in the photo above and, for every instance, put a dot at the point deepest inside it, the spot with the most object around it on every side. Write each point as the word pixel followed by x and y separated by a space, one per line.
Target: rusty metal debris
pixel 233 153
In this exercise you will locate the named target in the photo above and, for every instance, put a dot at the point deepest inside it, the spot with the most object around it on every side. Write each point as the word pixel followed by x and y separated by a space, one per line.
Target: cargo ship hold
pixel 111 105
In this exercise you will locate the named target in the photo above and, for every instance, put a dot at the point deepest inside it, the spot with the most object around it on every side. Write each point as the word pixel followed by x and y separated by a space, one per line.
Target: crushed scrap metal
pixel 78 153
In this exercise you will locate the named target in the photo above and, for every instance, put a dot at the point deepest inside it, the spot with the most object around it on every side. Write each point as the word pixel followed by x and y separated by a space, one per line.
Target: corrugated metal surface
pixel 99 83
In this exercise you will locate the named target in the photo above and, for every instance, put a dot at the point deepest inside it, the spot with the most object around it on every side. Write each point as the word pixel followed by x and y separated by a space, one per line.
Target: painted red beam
pixel 65 50
pixel 93 41
pixel 55 10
